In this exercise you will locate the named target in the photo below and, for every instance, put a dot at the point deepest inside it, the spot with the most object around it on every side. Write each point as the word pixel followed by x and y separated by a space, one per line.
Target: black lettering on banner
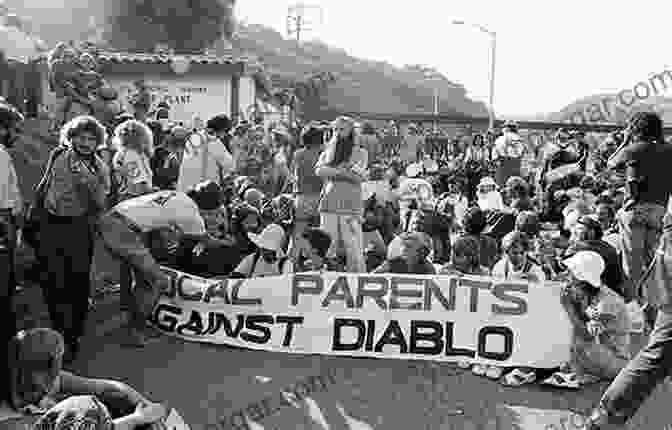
pixel 196 297
pixel 164 317
pixel 223 320
pixel 435 337
pixel 254 323
pixel 316 286
pixel 397 292
pixel 432 289
pixel 450 350
pixel 340 290
pixel 290 321
pixel 235 300
pixel 194 325
pixel 501 291
pixel 377 294
pixel 475 287
pixel 337 345
pixel 393 335
pixel 483 334
pixel 370 335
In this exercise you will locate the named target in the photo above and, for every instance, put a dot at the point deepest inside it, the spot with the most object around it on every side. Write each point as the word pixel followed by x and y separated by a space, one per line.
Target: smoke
pixel 187 26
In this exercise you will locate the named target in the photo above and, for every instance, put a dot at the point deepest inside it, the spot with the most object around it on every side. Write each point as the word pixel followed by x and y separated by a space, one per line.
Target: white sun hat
pixel 413 170
pixel 487 181
pixel 271 238
pixel 586 266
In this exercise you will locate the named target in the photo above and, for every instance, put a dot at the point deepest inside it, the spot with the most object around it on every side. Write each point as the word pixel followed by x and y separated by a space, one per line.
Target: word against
pixel 268 406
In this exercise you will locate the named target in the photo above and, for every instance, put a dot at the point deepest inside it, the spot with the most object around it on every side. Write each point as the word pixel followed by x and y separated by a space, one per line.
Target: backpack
pixel 281 261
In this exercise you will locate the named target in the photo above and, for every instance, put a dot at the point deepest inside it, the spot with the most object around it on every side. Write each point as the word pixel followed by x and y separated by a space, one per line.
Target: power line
pixel 297 22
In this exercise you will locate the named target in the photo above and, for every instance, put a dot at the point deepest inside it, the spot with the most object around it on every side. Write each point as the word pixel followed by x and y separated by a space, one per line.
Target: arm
pixel 74 385
pixel 580 328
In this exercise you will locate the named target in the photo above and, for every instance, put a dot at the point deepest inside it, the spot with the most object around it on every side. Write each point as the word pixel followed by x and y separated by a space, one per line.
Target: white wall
pixel 246 94
pixel 188 96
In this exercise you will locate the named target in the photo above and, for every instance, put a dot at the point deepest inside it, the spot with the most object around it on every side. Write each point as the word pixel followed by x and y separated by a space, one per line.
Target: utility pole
pixel 297 19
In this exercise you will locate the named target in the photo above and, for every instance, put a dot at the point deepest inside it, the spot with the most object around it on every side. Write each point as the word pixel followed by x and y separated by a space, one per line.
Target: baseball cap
pixel 586 266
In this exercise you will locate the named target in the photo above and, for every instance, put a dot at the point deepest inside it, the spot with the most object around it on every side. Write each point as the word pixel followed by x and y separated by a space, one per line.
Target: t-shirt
pixel 342 197
pixel 616 334
pixel 205 158
pixel 131 168
pixel 504 269
pixel 648 162
pixel 305 179
pixel 163 209
pixel 415 189
pixel 262 268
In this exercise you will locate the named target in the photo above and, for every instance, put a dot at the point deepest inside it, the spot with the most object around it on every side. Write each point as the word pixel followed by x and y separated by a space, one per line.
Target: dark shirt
pixel 648 164
pixel 613 276
pixel 306 181
pixel 399 265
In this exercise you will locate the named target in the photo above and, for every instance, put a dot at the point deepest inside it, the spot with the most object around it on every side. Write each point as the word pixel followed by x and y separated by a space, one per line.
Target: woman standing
pixel 343 167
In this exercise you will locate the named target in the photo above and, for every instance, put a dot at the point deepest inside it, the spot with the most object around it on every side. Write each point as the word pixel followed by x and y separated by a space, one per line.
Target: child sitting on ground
pixel 601 324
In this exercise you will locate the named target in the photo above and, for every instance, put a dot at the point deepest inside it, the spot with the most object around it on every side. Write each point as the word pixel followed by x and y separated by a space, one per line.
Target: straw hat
pixel 488 181
pixel 586 266
pixel 271 238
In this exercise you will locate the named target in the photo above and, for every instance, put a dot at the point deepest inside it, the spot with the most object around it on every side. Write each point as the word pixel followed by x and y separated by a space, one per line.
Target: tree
pixel 312 93
pixel 187 26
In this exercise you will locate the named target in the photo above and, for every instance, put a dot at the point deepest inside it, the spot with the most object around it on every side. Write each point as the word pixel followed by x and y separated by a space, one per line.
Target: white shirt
pixel 503 269
pixel 10 196
pixel 205 158
pixel 131 168
pixel 163 209
pixel 509 145
pixel 490 201
pixel 262 268
pixel 415 189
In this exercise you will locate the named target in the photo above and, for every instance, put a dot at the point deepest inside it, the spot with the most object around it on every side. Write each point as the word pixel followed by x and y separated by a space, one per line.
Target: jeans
pixel 639 378
pixel 346 233
pixel 640 227
pixel 66 246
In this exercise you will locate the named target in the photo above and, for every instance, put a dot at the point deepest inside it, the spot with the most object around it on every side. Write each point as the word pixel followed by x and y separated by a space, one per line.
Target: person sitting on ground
pixel 374 245
pixel 517 193
pixel 269 259
pixel 465 258
pixel 409 253
pixel 600 319
pixel 488 195
pixel 33 379
pixel 516 264
pixel 313 257
pixel 586 235
pixel 474 225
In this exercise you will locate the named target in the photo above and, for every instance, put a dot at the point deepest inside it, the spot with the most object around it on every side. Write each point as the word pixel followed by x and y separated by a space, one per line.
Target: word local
pixel 439 335
pixel 386 292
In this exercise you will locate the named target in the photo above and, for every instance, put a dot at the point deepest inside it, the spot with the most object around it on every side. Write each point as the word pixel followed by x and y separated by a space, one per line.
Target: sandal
pixel 479 369
pixel 463 364
pixel 562 380
pixel 494 372
pixel 518 377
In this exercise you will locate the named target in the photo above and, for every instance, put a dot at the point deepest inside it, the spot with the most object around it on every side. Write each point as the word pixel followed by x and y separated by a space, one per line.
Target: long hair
pixel 82 124
pixel 133 134
pixel 343 145
pixel 647 126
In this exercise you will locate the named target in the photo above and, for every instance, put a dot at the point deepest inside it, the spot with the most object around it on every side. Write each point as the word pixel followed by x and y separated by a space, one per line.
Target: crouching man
pixel 123 231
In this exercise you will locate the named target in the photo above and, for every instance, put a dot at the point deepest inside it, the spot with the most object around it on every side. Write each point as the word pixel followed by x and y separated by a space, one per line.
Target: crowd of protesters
pixel 244 200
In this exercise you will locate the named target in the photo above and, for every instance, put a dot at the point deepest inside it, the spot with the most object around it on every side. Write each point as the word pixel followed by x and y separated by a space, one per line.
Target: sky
pixel 548 53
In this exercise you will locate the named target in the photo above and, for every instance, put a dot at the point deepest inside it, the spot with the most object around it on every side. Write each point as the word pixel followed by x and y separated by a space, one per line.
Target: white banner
pixel 439 318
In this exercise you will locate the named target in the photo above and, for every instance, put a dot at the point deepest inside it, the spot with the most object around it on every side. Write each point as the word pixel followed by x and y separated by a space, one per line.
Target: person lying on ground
pixel 409 253
pixel 33 380
pixel 599 317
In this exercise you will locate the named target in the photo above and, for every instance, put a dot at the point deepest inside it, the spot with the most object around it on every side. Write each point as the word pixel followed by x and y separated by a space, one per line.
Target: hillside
pixel 586 107
pixel 361 85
